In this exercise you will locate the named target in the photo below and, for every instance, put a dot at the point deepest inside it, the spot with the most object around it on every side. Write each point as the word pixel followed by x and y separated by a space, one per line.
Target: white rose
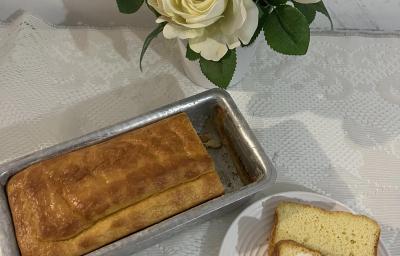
pixel 307 1
pixel 211 26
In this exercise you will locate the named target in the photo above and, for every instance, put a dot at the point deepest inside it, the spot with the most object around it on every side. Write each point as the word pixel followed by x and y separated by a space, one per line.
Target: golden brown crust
pixel 377 242
pixel 126 221
pixel 376 224
pixel 272 237
pixel 66 196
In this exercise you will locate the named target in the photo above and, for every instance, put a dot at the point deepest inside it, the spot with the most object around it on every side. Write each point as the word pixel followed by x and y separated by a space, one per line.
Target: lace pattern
pixel 330 120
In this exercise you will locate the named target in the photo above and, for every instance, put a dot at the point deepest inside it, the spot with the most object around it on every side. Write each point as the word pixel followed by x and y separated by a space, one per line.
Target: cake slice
pixel 291 248
pixel 330 233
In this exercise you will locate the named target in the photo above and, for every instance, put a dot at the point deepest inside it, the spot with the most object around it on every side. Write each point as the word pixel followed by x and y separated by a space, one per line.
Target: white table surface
pixel 330 121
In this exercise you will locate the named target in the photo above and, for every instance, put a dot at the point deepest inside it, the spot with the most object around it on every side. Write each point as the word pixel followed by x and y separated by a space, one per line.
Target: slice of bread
pixel 291 248
pixel 330 233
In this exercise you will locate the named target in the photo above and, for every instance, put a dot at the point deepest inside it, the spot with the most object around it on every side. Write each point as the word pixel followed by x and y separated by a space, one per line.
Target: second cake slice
pixel 291 248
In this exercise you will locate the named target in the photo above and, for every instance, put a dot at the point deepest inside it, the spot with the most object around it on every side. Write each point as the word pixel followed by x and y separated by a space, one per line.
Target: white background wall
pixel 347 14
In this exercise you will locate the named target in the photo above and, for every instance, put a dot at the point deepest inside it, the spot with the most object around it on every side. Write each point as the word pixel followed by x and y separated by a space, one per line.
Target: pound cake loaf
pixel 79 201
pixel 330 233
pixel 291 248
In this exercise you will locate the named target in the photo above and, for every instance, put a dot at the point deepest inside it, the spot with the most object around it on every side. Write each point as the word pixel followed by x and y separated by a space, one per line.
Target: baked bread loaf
pixel 291 248
pixel 79 201
pixel 330 233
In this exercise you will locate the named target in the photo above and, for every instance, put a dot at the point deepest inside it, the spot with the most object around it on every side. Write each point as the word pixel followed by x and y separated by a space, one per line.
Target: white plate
pixel 248 234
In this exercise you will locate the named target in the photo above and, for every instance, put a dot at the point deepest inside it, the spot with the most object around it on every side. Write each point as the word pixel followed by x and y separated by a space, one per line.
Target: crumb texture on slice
pixel 291 248
pixel 331 233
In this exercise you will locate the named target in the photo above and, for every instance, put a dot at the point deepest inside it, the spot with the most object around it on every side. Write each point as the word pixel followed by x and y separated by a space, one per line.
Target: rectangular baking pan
pixel 241 163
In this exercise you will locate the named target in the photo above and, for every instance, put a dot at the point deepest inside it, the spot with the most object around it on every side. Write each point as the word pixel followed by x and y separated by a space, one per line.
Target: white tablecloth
pixel 330 121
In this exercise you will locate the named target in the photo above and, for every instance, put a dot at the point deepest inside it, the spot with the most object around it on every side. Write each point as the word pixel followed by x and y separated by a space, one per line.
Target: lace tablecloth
pixel 330 121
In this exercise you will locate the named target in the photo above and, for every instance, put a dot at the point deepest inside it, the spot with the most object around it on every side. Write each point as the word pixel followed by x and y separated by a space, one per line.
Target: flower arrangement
pixel 214 29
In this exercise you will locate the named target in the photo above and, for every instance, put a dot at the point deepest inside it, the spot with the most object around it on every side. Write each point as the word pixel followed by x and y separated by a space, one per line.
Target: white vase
pixel 244 56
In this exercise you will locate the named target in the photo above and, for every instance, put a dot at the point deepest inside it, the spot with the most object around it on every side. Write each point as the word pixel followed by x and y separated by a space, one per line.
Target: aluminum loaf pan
pixel 240 161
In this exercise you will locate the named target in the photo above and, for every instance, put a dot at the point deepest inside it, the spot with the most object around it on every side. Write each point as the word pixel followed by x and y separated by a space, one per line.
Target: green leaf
pixel 220 72
pixel 320 7
pixel 264 8
pixel 148 40
pixel 129 6
pixel 191 55
pixel 286 31
pixel 307 10
pixel 277 2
